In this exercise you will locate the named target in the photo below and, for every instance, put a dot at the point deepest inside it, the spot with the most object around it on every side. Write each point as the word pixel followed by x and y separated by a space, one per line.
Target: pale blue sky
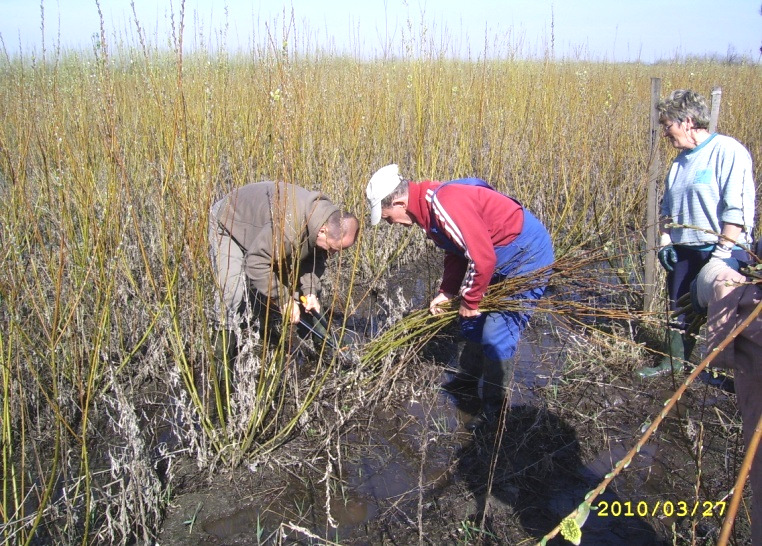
pixel 612 30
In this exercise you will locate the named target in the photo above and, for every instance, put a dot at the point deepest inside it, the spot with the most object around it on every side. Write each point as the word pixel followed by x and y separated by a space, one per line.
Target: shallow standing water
pixel 411 473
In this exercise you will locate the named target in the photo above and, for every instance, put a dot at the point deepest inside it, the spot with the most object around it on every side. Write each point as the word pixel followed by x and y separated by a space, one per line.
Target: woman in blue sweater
pixel 707 209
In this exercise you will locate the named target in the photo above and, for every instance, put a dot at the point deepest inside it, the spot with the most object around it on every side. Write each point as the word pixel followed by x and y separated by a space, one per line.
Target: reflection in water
pixel 533 469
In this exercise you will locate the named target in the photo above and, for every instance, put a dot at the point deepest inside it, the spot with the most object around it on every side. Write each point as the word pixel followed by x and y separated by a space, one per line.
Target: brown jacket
pixel 276 225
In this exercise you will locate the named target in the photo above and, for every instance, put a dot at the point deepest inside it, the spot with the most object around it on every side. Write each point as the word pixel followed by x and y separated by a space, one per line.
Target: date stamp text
pixel 625 509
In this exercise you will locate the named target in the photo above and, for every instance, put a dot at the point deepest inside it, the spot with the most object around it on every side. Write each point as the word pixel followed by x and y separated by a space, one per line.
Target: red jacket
pixel 475 220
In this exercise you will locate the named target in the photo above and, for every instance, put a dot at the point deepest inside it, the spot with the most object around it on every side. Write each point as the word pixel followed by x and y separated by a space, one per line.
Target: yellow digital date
pixel 680 509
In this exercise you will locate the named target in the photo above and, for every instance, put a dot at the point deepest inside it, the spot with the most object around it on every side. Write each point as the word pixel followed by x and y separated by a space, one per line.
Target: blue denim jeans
pixel 499 331
pixel 690 260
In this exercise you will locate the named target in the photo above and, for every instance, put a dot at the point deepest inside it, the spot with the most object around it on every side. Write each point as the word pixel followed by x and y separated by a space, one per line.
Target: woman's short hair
pixel 683 104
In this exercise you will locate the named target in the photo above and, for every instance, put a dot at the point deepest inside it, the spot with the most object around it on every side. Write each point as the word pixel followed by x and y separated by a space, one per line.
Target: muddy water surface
pixel 411 473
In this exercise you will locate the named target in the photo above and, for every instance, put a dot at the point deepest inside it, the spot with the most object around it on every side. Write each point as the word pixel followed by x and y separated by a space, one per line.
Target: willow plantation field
pixel 111 426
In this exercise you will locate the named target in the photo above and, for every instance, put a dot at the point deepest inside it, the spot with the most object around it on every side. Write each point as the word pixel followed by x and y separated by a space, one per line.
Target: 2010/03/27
pixel 667 508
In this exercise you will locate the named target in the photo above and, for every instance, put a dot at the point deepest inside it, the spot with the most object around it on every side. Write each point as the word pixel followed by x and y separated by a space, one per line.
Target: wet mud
pixel 408 471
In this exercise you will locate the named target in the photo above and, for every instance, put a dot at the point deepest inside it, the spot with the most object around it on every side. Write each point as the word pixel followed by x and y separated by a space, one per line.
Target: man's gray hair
pixel 340 223
pixel 400 191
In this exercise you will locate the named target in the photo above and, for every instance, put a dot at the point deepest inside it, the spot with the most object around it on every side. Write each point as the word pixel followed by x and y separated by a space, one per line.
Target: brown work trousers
pixel 731 303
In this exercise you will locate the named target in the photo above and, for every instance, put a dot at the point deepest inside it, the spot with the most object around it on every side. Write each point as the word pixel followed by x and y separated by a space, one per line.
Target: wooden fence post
pixel 715 115
pixel 655 173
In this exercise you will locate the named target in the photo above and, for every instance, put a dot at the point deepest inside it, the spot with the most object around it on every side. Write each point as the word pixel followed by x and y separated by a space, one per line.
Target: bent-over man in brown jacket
pixel 268 245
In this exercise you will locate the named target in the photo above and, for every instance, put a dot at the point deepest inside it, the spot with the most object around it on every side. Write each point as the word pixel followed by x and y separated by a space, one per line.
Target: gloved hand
pixel 722 252
pixel 701 290
pixel 310 303
pixel 435 307
pixel 667 257
pixel 291 310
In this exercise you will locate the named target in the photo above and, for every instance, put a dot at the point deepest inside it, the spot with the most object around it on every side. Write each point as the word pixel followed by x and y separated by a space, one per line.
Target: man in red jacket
pixel 487 237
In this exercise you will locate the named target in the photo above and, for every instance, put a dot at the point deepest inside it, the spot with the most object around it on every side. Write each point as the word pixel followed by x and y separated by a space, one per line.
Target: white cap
pixel 381 184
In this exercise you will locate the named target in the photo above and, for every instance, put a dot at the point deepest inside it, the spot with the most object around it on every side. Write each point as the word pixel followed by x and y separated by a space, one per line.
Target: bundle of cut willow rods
pixel 582 285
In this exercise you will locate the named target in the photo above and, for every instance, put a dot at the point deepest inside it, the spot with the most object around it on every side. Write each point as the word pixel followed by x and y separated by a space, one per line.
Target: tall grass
pixel 110 160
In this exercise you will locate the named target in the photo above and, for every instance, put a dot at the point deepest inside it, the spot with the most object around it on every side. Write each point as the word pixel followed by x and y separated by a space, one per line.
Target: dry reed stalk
pixel 743 474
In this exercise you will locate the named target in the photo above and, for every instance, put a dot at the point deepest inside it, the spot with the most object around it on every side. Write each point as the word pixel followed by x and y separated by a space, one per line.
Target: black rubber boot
pixel 463 384
pixel 466 380
pixel 496 393
pixel 487 418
